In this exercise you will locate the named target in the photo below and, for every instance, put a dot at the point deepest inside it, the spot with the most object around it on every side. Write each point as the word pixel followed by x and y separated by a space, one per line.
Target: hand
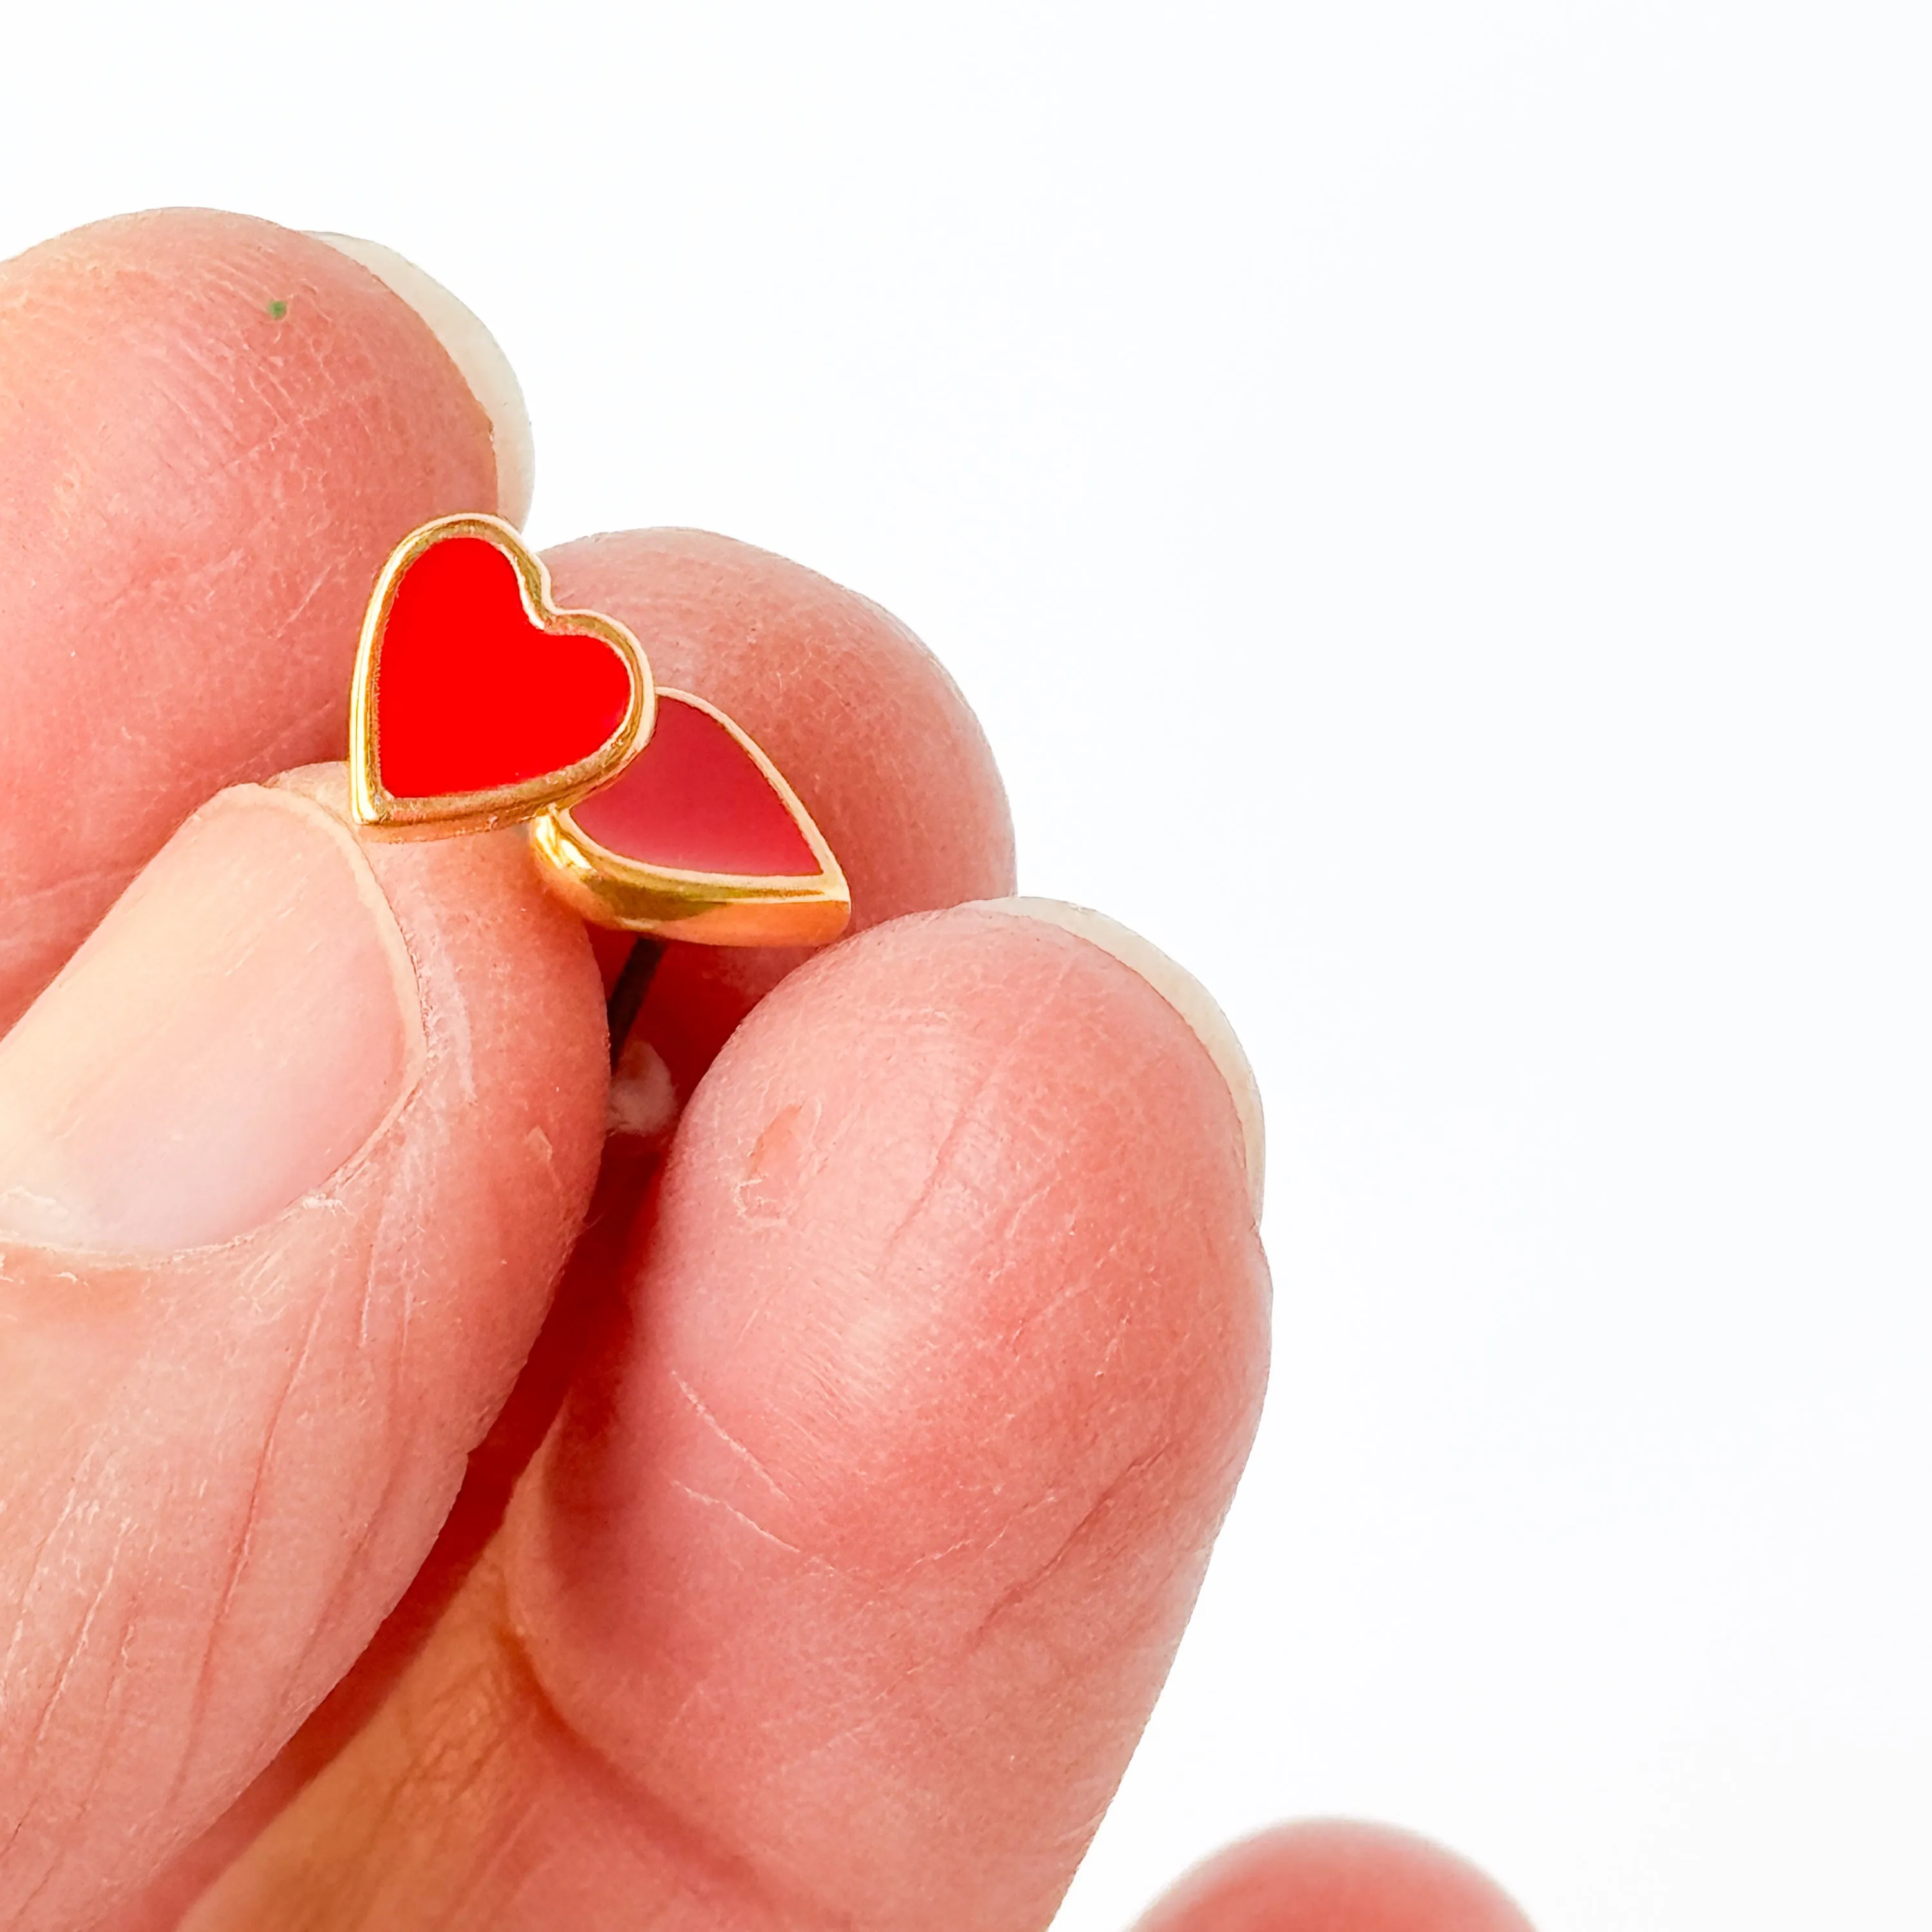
pixel 812 1555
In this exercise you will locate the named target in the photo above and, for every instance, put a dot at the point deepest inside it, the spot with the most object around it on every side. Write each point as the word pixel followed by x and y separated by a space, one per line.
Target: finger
pixel 859 716
pixel 211 431
pixel 290 1155
pixel 841 1596
pixel 1335 1875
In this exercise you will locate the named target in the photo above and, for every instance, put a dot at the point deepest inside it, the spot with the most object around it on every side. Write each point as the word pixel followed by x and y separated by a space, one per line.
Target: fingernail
pixel 240 1025
pixel 476 354
pixel 1185 994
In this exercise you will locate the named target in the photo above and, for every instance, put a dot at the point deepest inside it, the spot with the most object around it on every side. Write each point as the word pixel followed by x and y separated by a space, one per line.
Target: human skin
pixel 417 1508
pixel 1322 1873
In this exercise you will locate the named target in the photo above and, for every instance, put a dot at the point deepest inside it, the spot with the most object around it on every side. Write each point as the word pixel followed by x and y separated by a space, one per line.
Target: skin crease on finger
pixel 223 1465
pixel 212 430
pixel 842 1591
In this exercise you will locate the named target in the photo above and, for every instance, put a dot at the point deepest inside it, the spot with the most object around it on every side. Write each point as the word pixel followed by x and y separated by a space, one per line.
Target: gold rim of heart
pixel 604 886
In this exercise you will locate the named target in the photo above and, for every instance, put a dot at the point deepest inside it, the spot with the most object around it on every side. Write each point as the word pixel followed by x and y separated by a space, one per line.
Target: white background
pixel 1449 479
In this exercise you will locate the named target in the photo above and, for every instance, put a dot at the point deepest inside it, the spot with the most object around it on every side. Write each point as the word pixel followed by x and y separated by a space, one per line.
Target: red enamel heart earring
pixel 478 703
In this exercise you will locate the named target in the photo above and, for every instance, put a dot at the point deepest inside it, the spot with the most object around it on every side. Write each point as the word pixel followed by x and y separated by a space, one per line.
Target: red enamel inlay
pixel 470 694
pixel 693 801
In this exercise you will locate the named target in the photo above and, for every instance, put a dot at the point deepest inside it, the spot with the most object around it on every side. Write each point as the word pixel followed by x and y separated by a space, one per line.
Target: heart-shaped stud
pixel 699 839
pixel 477 702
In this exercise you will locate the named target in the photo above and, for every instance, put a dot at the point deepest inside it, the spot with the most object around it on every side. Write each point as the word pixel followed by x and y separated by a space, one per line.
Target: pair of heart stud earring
pixel 478 703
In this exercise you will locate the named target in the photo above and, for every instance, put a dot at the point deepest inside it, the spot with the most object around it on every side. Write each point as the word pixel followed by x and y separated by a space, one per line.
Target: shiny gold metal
pixel 709 908
pixel 437 817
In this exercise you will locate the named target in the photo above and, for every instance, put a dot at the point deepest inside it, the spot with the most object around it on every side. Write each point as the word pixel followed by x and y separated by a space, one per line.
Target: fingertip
pixel 216 429
pixel 244 1019
pixel 1187 996
pixel 948 1342
pixel 1335 1875
pixel 478 357
pixel 309 1128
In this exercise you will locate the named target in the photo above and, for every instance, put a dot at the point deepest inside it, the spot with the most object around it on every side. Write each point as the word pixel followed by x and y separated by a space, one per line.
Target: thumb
pixel 290 1155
